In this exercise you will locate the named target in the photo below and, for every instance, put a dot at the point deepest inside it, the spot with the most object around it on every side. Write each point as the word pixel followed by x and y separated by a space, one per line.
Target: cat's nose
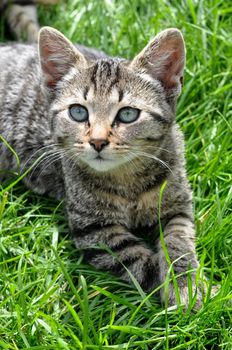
pixel 98 144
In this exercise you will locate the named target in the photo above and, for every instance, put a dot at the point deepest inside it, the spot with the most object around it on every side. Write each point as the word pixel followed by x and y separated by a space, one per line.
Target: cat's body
pixel 110 169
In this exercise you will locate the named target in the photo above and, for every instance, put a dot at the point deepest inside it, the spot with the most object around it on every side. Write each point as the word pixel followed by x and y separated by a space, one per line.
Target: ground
pixel 49 298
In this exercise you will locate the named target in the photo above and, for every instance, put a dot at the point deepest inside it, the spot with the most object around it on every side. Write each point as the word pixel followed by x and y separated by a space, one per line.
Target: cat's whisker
pixel 74 153
pixel 49 163
pixel 47 157
pixel 79 145
pixel 151 156
pixel 156 159
pixel 72 157
pixel 144 145
pixel 36 152
pixel 36 163
pixel 123 139
pixel 152 147
pixel 51 155
pixel 130 161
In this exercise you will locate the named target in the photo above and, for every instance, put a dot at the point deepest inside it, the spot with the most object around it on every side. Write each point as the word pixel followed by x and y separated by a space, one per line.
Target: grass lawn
pixel 48 298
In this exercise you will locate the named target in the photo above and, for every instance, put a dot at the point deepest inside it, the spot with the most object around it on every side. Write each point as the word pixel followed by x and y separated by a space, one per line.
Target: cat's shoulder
pixel 18 47
pixel 17 57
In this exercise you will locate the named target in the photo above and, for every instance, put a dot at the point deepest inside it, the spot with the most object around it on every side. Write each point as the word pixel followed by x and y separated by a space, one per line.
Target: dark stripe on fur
pixel 165 221
pixel 124 244
pixel 120 95
pixel 160 118
pixel 85 93
pixel 176 223
pixel 118 268
pixel 116 79
pixel 94 75
pixel 105 69
pixel 89 230
pixel 17 18
pixel 93 253
pixel 149 274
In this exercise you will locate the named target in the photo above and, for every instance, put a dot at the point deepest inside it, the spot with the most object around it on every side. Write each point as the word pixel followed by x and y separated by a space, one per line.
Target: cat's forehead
pixel 105 75
pixel 110 73
pixel 111 81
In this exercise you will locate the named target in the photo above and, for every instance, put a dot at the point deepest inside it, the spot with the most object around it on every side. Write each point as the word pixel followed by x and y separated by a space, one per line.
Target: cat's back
pixel 19 73
pixel 17 62
pixel 24 125
pixel 13 49
pixel 20 88
pixel 23 105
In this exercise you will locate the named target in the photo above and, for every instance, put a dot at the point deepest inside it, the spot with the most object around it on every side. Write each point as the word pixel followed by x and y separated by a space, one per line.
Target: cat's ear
pixel 57 55
pixel 164 59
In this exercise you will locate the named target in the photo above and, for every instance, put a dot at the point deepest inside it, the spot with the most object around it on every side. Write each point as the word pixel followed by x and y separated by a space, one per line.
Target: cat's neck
pixel 128 180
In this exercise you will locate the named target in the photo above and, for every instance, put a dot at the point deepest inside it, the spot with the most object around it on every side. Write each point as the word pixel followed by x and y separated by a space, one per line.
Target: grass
pixel 49 299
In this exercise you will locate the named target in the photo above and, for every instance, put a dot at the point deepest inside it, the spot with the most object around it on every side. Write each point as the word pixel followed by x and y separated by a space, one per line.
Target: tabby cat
pixel 107 132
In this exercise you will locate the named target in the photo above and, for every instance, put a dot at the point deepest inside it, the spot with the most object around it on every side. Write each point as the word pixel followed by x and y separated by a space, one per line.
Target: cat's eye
pixel 128 115
pixel 78 113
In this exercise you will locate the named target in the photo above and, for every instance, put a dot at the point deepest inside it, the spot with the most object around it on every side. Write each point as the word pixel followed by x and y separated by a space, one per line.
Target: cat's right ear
pixel 57 55
pixel 164 59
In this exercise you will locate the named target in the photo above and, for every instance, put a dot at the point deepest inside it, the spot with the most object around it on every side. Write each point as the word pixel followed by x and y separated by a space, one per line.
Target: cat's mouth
pixel 105 162
pixel 99 157
pixel 102 158
pixel 101 163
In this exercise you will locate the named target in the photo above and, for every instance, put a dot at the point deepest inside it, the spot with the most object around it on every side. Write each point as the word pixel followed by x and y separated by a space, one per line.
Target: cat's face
pixel 110 111
pixel 108 114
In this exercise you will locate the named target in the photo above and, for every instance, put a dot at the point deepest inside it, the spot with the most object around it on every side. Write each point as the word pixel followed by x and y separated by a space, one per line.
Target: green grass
pixel 49 299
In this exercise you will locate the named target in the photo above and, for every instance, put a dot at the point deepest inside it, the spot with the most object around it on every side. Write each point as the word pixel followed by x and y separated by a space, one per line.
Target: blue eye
pixel 128 115
pixel 78 113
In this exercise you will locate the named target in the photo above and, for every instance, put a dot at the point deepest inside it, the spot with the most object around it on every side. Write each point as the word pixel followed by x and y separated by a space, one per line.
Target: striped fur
pixel 112 201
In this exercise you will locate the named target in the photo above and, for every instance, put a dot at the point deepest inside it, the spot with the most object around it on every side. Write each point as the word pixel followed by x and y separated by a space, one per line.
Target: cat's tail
pixel 22 18
pixel 23 22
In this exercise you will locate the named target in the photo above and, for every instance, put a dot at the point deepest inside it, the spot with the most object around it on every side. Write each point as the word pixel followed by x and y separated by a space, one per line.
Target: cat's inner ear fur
pixel 57 55
pixel 164 59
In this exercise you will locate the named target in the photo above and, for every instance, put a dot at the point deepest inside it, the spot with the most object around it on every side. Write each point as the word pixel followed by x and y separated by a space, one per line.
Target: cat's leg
pixel 179 243
pixel 124 249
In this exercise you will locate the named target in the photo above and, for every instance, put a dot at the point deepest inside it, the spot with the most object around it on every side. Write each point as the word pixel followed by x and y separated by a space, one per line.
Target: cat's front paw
pixel 182 296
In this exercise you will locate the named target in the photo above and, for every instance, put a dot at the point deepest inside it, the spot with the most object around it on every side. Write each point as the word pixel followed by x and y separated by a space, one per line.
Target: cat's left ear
pixel 57 55
pixel 164 59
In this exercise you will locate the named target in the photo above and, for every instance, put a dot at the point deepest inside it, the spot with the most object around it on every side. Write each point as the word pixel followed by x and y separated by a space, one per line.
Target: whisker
pixel 128 144
pixel 49 163
pixel 72 157
pixel 47 157
pixel 36 152
pixel 158 148
pixel 131 161
pixel 151 156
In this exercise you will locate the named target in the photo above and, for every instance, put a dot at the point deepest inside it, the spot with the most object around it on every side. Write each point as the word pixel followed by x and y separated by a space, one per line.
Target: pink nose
pixel 98 144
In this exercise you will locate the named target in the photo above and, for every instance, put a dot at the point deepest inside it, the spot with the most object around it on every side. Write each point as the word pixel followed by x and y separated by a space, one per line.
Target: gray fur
pixel 114 202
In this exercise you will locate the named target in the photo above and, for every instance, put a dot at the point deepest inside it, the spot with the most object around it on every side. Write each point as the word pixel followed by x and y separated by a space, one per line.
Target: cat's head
pixel 109 111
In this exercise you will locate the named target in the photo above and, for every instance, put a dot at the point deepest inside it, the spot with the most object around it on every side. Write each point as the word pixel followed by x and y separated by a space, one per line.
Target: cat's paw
pixel 181 297
pixel 184 299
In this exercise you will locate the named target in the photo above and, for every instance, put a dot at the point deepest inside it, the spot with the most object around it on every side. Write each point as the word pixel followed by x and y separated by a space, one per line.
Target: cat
pixel 21 16
pixel 107 131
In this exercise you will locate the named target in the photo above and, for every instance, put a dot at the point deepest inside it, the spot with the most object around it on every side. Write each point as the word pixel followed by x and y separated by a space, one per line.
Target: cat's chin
pixel 103 165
